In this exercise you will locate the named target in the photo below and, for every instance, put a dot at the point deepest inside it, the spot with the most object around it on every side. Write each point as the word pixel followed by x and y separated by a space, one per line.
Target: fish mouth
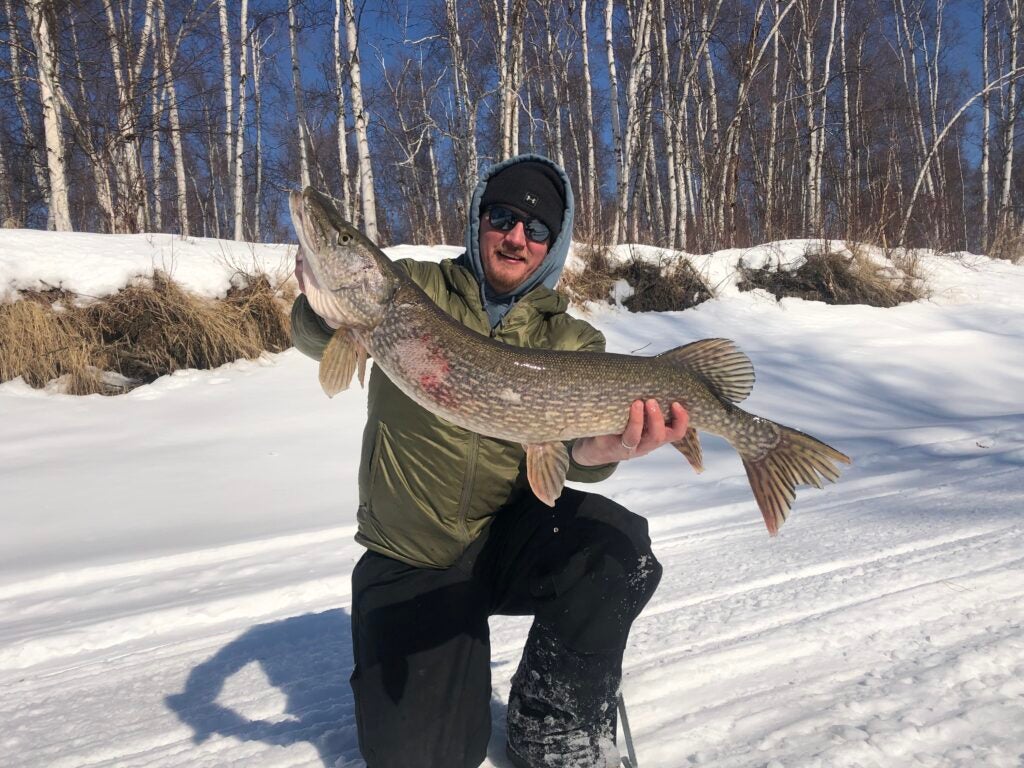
pixel 300 222
pixel 312 228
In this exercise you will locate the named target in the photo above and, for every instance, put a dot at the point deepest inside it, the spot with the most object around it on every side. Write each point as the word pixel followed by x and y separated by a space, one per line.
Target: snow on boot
pixel 562 707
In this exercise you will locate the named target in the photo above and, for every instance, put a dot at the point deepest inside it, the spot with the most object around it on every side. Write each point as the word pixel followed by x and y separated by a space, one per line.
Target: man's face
pixel 509 258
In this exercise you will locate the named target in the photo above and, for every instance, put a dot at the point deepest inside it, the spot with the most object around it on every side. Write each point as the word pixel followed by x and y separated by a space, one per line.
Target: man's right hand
pixel 319 299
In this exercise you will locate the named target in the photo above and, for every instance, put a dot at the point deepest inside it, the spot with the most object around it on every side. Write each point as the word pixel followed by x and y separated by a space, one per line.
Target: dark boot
pixel 561 710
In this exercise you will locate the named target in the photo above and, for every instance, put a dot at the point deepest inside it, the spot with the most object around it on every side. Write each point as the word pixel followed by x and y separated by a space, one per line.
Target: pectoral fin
pixel 546 465
pixel 341 358
pixel 689 446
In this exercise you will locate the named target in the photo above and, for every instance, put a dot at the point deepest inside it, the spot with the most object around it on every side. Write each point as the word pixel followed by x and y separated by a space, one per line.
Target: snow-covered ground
pixel 175 562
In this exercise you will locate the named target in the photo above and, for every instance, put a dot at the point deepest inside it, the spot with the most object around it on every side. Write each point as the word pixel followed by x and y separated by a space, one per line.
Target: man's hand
pixel 314 294
pixel 645 431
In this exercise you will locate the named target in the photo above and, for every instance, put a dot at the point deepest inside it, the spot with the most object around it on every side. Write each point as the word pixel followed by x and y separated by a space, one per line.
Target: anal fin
pixel 689 446
pixel 546 465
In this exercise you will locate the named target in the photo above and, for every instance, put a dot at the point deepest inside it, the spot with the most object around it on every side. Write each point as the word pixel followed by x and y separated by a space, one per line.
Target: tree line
pixel 695 124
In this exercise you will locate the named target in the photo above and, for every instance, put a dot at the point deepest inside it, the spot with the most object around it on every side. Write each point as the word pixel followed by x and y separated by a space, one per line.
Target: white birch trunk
pixel 617 140
pixel 908 51
pixel 816 105
pixel 239 149
pixel 773 134
pixel 592 206
pixel 669 121
pixel 300 109
pixel 512 47
pixel 849 159
pixel 689 199
pixel 174 121
pixel 986 138
pixel 155 161
pixel 554 79
pixel 633 160
pixel 339 111
pixel 228 85
pixel 1010 116
pixel 433 173
pixel 132 210
pixel 256 55
pixel 465 140
pixel 366 192
pixel 39 14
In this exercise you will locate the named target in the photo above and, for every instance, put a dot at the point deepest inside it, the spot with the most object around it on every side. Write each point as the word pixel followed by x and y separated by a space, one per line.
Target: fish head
pixel 345 263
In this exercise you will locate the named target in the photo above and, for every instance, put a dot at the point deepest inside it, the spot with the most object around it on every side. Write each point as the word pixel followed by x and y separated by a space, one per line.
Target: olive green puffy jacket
pixel 427 488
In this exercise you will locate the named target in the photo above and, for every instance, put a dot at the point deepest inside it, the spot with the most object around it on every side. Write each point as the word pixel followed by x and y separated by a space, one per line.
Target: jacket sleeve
pixel 310 333
pixel 592 340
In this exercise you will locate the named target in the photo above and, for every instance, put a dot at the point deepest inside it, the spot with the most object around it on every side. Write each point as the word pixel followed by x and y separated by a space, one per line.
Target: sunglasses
pixel 503 219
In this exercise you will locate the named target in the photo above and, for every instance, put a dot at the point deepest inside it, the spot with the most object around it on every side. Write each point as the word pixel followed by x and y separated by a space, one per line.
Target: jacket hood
pixel 497 305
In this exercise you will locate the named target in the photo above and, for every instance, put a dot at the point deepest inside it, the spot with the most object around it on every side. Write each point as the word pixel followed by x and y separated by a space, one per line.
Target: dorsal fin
pixel 719 363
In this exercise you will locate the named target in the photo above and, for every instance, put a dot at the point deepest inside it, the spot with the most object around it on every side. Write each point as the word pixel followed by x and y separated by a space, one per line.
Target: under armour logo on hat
pixel 530 199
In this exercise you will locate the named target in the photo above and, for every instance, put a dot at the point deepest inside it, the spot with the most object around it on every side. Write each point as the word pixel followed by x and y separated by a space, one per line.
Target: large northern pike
pixel 537 397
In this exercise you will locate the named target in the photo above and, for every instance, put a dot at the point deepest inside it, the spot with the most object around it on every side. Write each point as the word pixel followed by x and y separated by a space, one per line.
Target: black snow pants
pixel 422 683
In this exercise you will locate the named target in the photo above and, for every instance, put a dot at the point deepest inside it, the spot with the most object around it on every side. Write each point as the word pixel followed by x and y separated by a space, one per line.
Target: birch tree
pixel 339 114
pixel 510 15
pixel 239 148
pixel 816 108
pixel 127 152
pixel 617 138
pixel 173 118
pixel 41 20
pixel 256 55
pixel 463 137
pixel 591 205
pixel 300 105
pixel 1011 113
pixel 228 88
pixel 986 126
pixel 366 191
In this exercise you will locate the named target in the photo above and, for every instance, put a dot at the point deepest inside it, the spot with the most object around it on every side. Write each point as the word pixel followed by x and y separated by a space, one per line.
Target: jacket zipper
pixel 467 483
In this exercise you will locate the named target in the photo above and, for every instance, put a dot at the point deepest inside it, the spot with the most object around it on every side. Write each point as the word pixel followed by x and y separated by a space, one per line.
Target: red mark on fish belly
pixel 428 366
pixel 435 384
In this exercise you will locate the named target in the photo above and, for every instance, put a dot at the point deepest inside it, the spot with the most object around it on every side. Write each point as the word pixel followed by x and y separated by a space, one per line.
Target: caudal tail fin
pixel 798 459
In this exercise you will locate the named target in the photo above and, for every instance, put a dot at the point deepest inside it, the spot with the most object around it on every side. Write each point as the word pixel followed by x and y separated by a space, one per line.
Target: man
pixel 454 534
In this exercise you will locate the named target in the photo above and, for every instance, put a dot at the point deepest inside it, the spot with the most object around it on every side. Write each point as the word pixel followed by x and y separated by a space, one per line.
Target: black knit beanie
pixel 532 187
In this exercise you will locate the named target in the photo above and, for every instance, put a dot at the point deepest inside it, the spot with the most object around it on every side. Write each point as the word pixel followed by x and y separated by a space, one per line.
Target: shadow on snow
pixel 309 660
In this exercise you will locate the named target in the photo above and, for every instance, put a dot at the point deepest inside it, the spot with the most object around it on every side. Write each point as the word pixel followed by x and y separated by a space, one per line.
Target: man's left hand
pixel 645 431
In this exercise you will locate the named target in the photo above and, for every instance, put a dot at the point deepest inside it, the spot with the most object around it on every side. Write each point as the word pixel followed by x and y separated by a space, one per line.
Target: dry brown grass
pixel 144 331
pixel 1008 244
pixel 41 344
pixel 841 278
pixel 668 285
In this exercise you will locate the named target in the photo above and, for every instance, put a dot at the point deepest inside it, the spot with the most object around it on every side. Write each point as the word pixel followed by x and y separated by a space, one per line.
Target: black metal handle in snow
pixel 630 761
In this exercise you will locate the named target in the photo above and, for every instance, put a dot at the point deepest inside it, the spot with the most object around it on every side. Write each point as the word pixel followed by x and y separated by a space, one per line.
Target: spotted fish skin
pixel 538 397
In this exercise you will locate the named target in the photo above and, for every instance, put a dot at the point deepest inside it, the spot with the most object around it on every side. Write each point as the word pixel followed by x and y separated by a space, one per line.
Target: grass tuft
pixel 670 284
pixel 42 344
pixel 834 277
pixel 144 331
